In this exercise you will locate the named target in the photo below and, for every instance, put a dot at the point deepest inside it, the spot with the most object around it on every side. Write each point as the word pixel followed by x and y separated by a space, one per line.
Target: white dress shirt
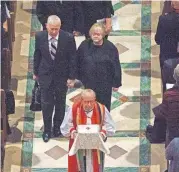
pixel 50 41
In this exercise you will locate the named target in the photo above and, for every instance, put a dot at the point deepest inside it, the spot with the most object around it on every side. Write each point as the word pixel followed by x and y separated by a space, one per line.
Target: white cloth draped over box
pixel 88 137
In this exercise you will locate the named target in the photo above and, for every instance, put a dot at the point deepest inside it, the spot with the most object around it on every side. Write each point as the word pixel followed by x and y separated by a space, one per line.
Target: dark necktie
pixel 53 48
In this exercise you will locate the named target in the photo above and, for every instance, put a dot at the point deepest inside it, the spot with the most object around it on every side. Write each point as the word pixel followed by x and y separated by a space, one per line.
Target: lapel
pixel 60 46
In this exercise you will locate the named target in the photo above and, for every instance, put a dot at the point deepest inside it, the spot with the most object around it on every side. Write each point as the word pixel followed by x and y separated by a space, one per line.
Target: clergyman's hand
pixel 103 136
pixel 73 134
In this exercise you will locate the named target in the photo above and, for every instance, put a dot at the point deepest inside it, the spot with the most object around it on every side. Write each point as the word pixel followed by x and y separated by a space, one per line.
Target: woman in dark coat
pixel 98 65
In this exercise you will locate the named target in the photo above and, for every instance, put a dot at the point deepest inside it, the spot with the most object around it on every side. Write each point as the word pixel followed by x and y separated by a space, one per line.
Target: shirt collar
pixel 50 37
pixel 88 111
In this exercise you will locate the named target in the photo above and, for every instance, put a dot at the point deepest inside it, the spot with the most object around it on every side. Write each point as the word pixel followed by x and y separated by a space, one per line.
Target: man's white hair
pixel 176 73
pixel 54 20
pixel 88 92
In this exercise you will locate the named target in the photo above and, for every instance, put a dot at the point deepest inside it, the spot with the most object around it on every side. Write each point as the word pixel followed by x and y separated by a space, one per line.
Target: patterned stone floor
pixel 131 106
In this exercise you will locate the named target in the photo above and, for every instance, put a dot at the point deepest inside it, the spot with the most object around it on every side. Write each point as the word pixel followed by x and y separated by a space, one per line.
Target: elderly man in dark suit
pixel 167 35
pixel 70 13
pixel 54 68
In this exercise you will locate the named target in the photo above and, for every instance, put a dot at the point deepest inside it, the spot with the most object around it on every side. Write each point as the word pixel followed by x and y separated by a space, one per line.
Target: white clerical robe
pixel 67 123
pixel 108 126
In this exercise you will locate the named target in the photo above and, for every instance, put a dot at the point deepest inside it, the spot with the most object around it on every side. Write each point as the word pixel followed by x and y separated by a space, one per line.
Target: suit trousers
pixel 164 88
pixel 53 99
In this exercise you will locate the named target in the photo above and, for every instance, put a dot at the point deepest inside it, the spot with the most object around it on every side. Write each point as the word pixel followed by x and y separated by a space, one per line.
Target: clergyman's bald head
pixel 88 93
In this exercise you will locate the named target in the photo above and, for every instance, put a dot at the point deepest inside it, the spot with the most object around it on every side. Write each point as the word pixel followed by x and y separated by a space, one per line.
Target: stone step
pixel 155 168
pixel 28 5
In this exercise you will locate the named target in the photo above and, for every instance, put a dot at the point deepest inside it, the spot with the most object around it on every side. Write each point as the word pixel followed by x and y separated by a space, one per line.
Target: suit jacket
pixel 70 13
pixel 3 12
pixel 167 35
pixel 64 65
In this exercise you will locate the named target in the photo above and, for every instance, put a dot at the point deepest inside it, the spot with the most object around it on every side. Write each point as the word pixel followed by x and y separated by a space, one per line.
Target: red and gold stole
pixel 80 118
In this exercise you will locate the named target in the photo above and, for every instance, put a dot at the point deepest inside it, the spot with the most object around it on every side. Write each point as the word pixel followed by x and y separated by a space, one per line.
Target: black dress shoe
pixel 57 133
pixel 46 137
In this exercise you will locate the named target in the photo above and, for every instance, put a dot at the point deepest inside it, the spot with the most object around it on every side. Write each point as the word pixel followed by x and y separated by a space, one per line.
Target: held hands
pixel 35 77
pixel 115 89
pixel 70 83
pixel 76 33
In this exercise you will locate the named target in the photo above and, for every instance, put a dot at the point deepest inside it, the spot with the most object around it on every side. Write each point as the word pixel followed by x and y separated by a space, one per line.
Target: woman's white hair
pixel 176 73
pixel 54 20
pixel 97 25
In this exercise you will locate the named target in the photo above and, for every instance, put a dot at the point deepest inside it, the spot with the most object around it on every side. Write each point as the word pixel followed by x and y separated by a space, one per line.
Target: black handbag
pixel 10 102
pixel 168 69
pixel 36 98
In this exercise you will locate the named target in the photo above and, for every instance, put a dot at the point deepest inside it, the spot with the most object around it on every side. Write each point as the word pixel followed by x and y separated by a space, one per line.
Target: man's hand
pixel 115 89
pixel 108 25
pixel 35 77
pixel 70 83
